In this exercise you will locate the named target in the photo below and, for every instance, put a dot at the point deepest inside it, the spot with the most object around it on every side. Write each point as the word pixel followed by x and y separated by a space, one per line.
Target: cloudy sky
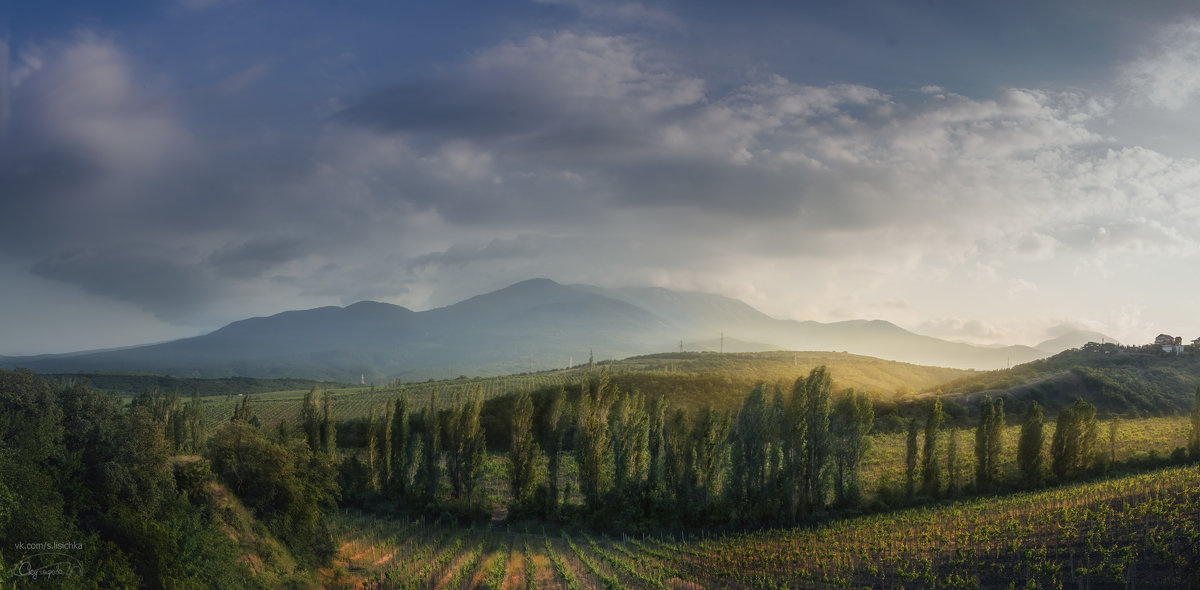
pixel 981 171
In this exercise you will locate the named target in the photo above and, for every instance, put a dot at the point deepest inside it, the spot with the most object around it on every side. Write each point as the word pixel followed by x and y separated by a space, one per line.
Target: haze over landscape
pixel 991 174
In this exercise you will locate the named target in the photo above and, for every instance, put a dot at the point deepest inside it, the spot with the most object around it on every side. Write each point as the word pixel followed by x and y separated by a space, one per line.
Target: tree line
pixel 614 456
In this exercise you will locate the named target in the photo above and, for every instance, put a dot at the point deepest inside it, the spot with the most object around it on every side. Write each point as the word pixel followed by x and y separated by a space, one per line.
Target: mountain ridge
pixel 529 325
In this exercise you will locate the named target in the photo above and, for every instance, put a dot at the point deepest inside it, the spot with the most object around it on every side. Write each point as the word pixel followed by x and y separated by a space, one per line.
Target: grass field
pixel 689 380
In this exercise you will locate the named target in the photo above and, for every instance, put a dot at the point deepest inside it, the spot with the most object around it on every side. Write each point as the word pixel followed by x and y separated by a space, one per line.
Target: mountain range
pixel 532 325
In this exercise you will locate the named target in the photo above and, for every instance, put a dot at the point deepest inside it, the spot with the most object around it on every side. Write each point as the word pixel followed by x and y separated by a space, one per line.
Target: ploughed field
pixel 1131 531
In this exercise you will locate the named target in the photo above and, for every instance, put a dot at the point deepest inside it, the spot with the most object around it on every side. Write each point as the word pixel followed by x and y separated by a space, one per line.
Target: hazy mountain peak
pixel 533 324
pixel 1072 339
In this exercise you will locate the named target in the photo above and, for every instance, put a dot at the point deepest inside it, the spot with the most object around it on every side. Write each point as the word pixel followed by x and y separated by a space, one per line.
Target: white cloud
pixel 89 98
pixel 1168 75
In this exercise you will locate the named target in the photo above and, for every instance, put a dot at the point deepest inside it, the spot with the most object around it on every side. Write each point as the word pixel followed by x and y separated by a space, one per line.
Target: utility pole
pixel 722 343
pixel 681 346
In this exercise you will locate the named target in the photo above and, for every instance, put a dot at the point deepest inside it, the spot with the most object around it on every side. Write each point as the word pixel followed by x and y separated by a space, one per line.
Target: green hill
pixel 1116 380
pixel 697 379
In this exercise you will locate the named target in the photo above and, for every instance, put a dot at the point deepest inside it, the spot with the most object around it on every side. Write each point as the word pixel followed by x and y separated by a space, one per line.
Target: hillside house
pixel 1170 344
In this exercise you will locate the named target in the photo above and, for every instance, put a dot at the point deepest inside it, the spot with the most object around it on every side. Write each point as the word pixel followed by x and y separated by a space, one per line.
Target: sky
pixel 977 171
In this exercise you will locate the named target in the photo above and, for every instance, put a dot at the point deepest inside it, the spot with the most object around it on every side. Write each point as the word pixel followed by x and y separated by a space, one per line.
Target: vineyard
pixel 1139 530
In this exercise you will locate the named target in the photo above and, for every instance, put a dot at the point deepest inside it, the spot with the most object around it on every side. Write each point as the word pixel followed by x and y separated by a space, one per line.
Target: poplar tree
pixel 678 463
pixel 1073 446
pixel 629 428
pixel 995 440
pixel 792 433
pixel 327 430
pixel 593 448
pixel 709 453
pixel 853 416
pixel 385 450
pixel 555 428
pixel 910 458
pixel 431 447
pixel 372 451
pixel 1029 446
pixel 310 421
pixel 465 447
pixel 775 436
pixel 751 446
pixel 401 452
pixel 522 450
pixel 952 480
pixel 818 388
pixel 931 474
pixel 656 476
pixel 983 472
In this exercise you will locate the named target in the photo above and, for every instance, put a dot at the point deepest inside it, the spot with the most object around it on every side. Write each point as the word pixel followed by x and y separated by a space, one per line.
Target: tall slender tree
pixel 793 434
pixel 401 453
pixel 310 421
pixel 372 450
pixel 465 446
pixel 593 447
pixel 953 481
pixel 327 430
pixel 751 447
pixel 931 472
pixel 1074 441
pixel 1029 445
pixel 629 430
pixel 983 471
pixel 852 418
pixel 911 456
pixel 818 444
pixel 678 463
pixel 775 435
pixel 385 449
pixel 522 451
pixel 431 450
pixel 710 453
pixel 656 477
pixel 555 428
pixel 995 440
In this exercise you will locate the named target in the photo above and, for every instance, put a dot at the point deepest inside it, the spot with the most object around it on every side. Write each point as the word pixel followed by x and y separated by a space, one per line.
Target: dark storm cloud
pixel 461 255
pixel 163 287
pixel 256 256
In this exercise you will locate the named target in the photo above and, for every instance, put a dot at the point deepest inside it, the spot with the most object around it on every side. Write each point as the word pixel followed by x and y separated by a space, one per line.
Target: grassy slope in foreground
pixel 1141 529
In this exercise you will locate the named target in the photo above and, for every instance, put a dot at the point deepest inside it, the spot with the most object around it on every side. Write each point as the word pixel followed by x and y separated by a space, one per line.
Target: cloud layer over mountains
pixel 635 144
